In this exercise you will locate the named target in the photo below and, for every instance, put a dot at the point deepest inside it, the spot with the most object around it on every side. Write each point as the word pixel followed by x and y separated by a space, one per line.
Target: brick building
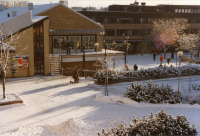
pixel 44 30
pixel 135 20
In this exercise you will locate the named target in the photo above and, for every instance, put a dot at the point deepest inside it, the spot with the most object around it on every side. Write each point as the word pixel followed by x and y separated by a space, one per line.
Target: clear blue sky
pixel 105 3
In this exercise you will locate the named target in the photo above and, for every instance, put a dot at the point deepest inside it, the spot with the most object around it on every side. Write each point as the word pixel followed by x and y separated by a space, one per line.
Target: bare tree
pixel 166 32
pixel 14 3
pixel 8 42
pixel 188 42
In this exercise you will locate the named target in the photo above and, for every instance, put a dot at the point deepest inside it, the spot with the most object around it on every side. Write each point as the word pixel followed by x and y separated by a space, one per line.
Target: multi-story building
pixel 135 21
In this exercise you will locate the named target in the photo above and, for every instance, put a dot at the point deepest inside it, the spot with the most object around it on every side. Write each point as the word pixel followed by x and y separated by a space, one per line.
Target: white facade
pixel 17 22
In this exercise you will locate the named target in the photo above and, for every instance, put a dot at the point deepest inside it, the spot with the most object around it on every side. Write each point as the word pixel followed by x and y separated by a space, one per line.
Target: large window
pixel 123 32
pixel 126 20
pixel 139 32
pixel 112 20
pixel 73 39
pixel 109 32
pixel 59 42
pixel 136 20
pixel 89 42
pixel 38 40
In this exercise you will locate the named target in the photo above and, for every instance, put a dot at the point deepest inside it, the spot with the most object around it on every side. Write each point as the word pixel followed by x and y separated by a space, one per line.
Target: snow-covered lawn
pixel 82 109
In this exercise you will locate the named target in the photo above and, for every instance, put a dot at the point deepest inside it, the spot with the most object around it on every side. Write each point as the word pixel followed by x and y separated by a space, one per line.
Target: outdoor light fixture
pixel 96 45
pixel 180 54
pixel 102 32
pixel 176 56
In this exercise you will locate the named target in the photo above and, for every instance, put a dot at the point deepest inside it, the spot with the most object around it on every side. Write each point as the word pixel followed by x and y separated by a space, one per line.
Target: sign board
pixel 17 62
pixel 25 63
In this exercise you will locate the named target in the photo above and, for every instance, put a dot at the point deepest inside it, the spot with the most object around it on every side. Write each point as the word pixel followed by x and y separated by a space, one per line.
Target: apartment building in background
pixel 135 20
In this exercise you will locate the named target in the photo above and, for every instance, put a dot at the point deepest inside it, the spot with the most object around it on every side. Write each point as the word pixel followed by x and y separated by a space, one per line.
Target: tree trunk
pixel 4 83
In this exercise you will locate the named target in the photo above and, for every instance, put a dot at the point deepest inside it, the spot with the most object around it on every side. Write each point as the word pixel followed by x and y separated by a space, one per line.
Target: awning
pixel 74 31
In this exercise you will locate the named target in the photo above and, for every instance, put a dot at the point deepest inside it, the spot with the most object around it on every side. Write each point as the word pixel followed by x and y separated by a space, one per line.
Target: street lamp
pixel 113 43
pixel 125 51
pixel 96 45
pixel 127 37
pixel 83 55
pixel 180 54
pixel 176 56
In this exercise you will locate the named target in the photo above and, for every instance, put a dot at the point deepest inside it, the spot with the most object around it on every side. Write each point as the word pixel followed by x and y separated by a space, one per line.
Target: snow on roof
pixel 37 9
pixel 21 10
pixel 37 18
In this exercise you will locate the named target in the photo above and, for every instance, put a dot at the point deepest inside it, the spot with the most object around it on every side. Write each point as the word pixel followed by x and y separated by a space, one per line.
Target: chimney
pixel 1 7
pixel 14 13
pixel 30 6
pixel 64 2
pixel 143 3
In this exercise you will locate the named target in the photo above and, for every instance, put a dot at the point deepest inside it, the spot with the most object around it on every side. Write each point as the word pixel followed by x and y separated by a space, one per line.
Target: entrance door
pixel 38 38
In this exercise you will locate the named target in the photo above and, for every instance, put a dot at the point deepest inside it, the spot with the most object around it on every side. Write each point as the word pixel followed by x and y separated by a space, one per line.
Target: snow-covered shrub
pixel 150 72
pixel 192 99
pixel 160 124
pixel 152 93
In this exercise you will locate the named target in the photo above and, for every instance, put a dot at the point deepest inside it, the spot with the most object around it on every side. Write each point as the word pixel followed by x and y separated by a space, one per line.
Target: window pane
pixel 109 32
pixel 41 29
pixel 186 10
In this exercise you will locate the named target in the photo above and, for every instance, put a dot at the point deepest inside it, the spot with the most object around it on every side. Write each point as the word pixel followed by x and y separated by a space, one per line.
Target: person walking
pixel 158 51
pixel 135 67
pixel 76 46
pixel 154 56
pixel 172 54
pixel 161 59
pixel 168 60
pixel 68 45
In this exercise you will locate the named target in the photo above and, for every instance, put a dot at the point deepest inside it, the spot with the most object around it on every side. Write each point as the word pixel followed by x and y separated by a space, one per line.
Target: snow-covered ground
pixel 53 106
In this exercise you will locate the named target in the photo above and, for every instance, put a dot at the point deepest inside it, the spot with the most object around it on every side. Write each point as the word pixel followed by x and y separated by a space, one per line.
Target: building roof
pixel 21 10
pixel 37 9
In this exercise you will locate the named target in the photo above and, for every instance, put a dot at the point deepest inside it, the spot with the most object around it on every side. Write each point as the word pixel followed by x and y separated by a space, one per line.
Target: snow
pixel 9 97
pixel 53 106
pixel 21 10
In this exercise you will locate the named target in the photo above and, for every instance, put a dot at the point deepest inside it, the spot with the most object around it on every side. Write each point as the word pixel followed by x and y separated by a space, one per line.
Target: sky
pixel 106 3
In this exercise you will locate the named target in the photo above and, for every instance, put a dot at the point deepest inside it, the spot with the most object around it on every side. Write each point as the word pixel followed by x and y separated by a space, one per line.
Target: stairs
pixel 54 64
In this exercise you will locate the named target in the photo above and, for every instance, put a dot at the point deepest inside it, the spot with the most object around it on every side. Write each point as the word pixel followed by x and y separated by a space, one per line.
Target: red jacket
pixel 161 58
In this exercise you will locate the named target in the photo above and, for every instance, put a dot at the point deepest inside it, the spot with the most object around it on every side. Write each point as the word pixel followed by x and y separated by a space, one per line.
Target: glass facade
pixel 38 41
pixel 59 42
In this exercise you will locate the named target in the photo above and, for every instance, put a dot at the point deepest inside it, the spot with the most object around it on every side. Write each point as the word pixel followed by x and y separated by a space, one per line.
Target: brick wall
pixel 24 47
pixel 62 18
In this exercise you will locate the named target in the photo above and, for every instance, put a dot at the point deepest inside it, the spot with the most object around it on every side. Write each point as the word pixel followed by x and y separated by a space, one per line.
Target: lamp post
pixel 125 52
pixel 127 37
pixel 113 43
pixel 83 55
pixel 180 54
pixel 96 45
pixel 176 56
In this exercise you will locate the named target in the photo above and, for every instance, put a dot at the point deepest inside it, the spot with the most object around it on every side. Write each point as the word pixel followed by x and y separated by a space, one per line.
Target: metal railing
pixel 82 72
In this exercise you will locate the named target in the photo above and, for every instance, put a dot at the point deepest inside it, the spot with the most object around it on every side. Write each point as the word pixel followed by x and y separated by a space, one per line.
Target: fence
pixel 82 72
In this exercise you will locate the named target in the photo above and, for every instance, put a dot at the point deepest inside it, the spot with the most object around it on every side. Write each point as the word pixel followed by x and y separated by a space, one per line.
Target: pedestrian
pixel 76 75
pixel 135 67
pixel 161 59
pixel 154 56
pixel 158 51
pixel 76 46
pixel 168 60
pixel 68 45
pixel 172 54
